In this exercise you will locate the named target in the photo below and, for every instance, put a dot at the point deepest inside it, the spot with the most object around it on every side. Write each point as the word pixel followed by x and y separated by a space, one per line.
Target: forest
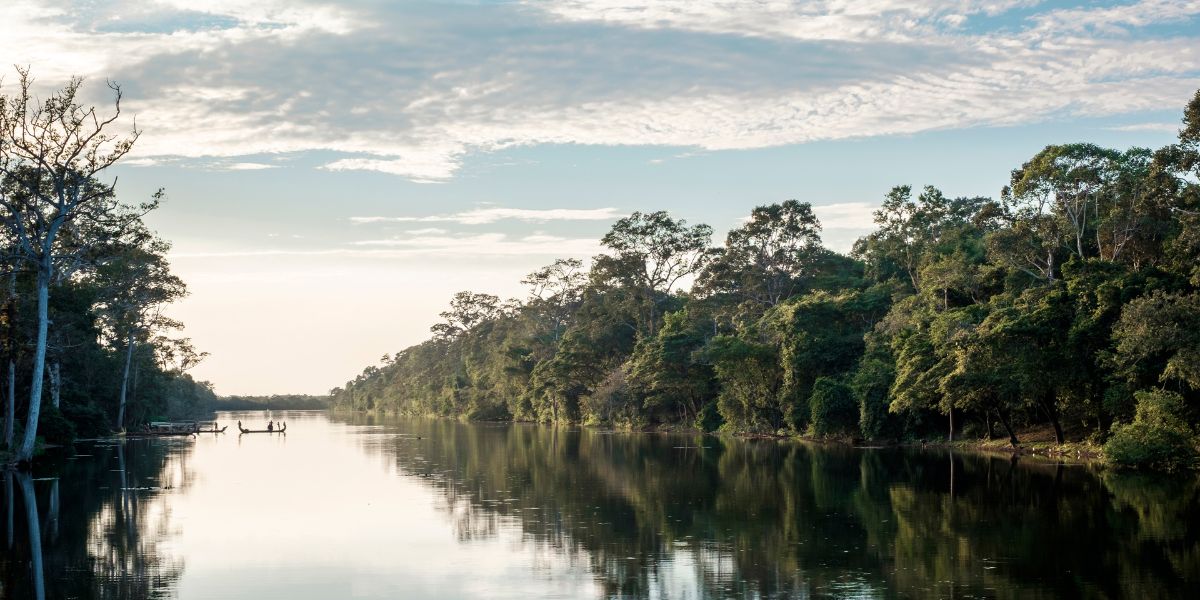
pixel 86 346
pixel 1071 302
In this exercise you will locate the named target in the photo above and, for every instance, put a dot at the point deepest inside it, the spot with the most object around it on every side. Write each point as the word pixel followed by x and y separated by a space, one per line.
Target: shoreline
pixel 1072 452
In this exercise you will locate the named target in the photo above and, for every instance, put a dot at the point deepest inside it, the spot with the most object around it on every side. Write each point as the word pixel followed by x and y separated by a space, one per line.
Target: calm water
pixel 355 507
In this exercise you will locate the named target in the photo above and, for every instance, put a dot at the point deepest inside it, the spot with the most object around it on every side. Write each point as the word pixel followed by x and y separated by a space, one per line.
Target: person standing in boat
pixel 270 426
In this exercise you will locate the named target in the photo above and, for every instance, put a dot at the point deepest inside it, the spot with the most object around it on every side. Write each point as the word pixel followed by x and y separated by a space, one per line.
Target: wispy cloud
pixel 1163 127
pixel 848 20
pixel 484 216
pixel 411 89
pixel 847 215
pixel 488 244
pixel 248 166
pixel 480 245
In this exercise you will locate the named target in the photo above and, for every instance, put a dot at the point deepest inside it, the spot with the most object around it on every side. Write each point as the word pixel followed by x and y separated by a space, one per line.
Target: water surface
pixel 350 506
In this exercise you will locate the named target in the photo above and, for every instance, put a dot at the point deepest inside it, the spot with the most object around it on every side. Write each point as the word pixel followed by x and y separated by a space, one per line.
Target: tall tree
pixel 555 290
pixel 651 253
pixel 50 156
pixel 467 310
pixel 766 260
pixel 137 283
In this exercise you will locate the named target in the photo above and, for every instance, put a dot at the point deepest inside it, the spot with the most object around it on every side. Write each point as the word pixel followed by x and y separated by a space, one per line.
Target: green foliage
pixel 665 374
pixel 750 380
pixel 89 421
pixel 54 427
pixel 834 410
pixel 1158 339
pixel 709 419
pixel 871 382
pixel 1158 437
pixel 1044 308
pixel 272 402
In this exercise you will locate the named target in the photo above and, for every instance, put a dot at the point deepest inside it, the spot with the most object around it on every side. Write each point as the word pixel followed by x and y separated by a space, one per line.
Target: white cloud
pixel 248 166
pixel 484 244
pixel 483 216
pixel 390 88
pixel 1163 127
pixel 847 215
pixel 847 20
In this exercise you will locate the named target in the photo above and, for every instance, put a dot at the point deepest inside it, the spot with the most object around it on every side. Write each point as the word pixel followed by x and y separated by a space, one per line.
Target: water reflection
pixel 682 516
pixel 367 507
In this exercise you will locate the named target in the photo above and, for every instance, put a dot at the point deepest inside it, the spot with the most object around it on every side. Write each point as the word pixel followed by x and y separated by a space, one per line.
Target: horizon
pixel 336 172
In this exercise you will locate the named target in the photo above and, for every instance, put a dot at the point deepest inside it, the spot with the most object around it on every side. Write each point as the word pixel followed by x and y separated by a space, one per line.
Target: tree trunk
pixel 9 500
pixel 10 408
pixel 55 383
pixel 1012 437
pixel 950 438
pixel 25 453
pixel 1047 403
pixel 991 426
pixel 35 536
pixel 125 384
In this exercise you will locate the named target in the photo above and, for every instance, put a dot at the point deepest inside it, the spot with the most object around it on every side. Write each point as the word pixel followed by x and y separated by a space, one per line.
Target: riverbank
pixel 1035 442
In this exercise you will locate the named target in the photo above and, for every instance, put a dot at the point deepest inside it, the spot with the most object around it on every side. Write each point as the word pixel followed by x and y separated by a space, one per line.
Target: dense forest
pixel 272 402
pixel 1071 302
pixel 83 282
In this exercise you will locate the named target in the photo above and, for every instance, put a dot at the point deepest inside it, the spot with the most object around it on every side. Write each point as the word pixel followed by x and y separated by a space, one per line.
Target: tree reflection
pixel 673 515
pixel 99 523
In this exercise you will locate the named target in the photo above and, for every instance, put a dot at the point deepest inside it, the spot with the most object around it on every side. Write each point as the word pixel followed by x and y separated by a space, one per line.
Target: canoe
pixel 221 430
pixel 282 429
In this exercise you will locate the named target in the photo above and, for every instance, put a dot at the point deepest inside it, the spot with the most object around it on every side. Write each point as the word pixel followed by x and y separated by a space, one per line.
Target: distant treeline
pixel 1072 301
pixel 273 402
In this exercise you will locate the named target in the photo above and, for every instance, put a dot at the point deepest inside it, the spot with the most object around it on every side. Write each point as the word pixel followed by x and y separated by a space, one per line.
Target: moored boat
pixel 281 429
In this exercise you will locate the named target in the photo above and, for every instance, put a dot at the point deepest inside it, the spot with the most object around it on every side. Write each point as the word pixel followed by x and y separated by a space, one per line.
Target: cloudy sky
pixel 336 170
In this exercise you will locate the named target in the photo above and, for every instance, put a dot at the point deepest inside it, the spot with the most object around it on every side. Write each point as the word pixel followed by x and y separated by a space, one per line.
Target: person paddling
pixel 270 426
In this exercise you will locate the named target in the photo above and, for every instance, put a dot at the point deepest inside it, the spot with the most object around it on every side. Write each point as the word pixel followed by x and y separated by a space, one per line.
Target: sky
pixel 335 171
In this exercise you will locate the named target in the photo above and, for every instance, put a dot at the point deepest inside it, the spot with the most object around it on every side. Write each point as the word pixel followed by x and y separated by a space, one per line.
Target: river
pixel 354 506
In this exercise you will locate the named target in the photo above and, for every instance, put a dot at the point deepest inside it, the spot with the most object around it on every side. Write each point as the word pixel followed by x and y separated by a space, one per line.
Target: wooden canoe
pixel 281 429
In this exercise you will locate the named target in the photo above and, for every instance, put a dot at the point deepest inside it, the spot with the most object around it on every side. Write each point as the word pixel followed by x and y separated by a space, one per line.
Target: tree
pixel 665 371
pixel 1157 340
pixel 651 254
pixel 138 283
pixel 766 259
pixel 1070 183
pixel 911 232
pixel 467 310
pixel 556 289
pixel 50 156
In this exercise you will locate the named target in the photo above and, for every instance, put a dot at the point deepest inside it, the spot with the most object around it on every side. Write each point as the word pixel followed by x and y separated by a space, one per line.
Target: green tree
pixel 50 156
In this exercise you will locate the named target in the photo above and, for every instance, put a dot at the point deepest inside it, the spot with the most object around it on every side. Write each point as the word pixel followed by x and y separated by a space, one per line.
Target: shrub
pixel 709 418
pixel 54 428
pixel 834 410
pixel 1157 438
pixel 88 420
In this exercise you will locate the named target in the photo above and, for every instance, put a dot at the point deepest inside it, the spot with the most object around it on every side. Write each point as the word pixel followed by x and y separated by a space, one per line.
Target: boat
pixel 214 430
pixel 282 429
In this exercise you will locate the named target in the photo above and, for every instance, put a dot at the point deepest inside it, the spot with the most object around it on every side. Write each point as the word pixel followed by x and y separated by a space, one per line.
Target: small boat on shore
pixel 281 429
